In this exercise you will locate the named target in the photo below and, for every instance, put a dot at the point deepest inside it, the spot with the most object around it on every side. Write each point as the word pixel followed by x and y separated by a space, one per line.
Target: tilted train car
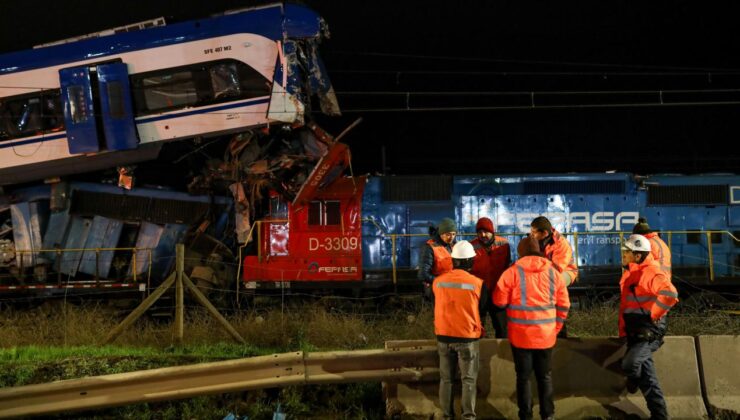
pixel 366 233
pixel 114 100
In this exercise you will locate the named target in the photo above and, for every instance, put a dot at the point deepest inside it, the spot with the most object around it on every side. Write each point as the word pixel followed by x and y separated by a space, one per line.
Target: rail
pixel 135 255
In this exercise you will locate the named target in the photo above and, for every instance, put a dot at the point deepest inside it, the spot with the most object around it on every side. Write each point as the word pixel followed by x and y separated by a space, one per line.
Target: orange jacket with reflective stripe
pixel 442 258
pixel 660 252
pixel 647 295
pixel 491 262
pixel 559 252
pixel 457 296
pixel 536 301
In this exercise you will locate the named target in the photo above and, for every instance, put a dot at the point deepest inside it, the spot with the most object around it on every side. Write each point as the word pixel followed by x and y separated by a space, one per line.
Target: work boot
pixel 632 385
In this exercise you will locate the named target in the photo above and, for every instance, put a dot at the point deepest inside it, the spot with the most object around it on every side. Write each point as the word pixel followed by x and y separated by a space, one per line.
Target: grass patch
pixel 56 341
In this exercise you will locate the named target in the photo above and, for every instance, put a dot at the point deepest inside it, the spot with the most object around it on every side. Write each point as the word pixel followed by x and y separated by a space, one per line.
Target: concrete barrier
pixel 586 375
pixel 719 358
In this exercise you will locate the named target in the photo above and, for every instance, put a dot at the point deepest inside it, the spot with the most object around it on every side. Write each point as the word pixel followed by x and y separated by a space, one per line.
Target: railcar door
pixel 98 109
pixel 116 107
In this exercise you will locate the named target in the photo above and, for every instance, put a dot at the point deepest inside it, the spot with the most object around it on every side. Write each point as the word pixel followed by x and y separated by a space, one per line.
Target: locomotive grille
pixel 573 187
pixel 417 188
pixel 688 194
pixel 127 207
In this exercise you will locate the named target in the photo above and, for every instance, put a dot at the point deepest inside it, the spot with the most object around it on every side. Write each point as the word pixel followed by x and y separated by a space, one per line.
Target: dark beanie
pixel 486 224
pixel 528 246
pixel 446 225
pixel 641 227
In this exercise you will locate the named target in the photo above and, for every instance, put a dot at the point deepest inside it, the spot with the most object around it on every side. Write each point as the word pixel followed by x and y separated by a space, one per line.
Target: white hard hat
pixel 636 243
pixel 463 250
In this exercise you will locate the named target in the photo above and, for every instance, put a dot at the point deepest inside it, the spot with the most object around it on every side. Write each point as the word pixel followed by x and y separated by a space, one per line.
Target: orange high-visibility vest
pixel 457 297
pixel 561 255
pixel 536 301
pixel 653 293
pixel 660 251
pixel 490 263
pixel 442 258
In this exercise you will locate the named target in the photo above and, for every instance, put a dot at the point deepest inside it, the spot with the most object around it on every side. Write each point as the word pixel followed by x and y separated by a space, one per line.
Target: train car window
pixel 30 115
pixel 225 81
pixel 196 85
pixel 169 91
pixel 333 216
pixel 115 100
pixel 314 213
pixel 278 208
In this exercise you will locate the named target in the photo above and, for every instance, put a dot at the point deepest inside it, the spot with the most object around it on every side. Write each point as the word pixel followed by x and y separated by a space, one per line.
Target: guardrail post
pixel 179 293
pixel 149 273
pixel 259 240
pixel 97 266
pixel 59 267
pixel 393 262
pixel 710 254
pixel 575 246
pixel 133 264
pixel 619 249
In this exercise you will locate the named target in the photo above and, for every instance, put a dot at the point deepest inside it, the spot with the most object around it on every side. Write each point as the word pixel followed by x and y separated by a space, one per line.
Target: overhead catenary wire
pixel 521 61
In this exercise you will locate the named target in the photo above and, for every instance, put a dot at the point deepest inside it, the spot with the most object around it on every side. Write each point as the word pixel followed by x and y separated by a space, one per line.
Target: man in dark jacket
pixel 435 258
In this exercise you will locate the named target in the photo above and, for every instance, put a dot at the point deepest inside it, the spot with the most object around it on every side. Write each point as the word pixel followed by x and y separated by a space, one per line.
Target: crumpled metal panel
pixel 76 238
pixel 104 233
pixel 28 223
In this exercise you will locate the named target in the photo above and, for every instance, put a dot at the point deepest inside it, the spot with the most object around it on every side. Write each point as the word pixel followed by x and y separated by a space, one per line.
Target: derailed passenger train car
pixel 114 100
pixel 103 101
pixel 315 243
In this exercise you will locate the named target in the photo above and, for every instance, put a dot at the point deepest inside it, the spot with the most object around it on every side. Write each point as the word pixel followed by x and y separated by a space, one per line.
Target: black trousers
pixel 526 360
pixel 498 319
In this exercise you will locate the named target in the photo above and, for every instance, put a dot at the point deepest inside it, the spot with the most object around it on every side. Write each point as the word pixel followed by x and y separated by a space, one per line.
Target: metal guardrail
pixel 297 368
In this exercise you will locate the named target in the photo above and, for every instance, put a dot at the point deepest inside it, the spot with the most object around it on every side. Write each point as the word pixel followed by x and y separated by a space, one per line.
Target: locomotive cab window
pixel 324 213
pixel 278 208
pixel 196 85
pixel 28 115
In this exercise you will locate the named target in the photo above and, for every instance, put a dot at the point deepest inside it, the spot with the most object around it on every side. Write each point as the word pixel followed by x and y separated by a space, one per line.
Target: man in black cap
pixel 658 248
pixel 436 258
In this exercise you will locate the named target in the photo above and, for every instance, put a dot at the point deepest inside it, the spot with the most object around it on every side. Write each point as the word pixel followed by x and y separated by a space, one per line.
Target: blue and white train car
pixel 114 100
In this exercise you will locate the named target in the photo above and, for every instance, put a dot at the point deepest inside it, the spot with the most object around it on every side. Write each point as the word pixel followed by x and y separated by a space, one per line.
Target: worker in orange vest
pixel 658 248
pixel 492 258
pixel 435 256
pixel 459 298
pixel 557 249
pixel 647 296
pixel 536 300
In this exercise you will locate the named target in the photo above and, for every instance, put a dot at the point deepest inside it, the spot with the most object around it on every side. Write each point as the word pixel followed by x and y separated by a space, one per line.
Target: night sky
pixel 465 54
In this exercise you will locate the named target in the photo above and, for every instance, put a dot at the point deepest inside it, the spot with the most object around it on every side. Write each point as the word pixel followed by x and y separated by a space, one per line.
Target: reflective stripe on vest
pixel 525 307
pixel 463 286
